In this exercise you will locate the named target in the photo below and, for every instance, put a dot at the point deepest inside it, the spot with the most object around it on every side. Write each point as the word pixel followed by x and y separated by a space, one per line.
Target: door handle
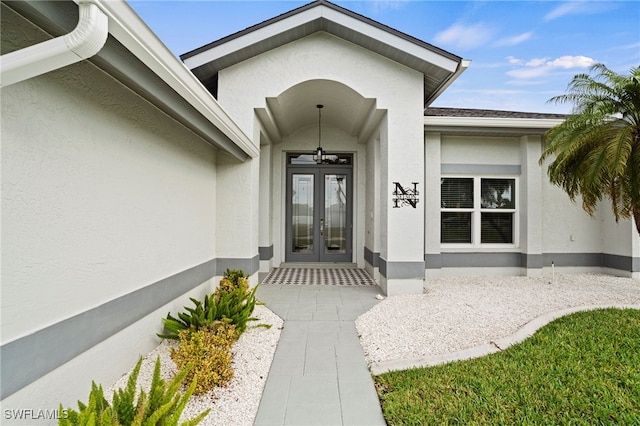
pixel 321 227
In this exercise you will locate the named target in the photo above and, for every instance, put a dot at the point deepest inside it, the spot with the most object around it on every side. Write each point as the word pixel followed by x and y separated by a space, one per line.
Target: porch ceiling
pixel 297 108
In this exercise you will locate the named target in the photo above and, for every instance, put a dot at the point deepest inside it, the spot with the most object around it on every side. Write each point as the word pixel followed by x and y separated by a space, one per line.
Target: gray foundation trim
pixel 624 263
pixel 28 358
pixel 485 169
pixel 531 261
pixel 372 258
pixel 481 260
pixel 265 253
pixel 573 259
pixel 401 270
pixel 433 261
pixel 249 266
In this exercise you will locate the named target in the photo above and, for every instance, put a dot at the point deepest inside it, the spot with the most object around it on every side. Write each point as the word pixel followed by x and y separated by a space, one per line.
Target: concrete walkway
pixel 319 375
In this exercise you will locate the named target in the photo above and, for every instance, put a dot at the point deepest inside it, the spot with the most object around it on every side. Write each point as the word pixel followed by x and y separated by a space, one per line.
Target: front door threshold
pixel 319 265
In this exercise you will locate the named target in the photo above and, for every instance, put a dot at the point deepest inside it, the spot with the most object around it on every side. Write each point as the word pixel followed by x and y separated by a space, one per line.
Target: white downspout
pixel 84 41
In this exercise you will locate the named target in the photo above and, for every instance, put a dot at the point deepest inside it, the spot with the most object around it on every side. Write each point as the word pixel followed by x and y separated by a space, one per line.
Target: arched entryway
pixel 317 208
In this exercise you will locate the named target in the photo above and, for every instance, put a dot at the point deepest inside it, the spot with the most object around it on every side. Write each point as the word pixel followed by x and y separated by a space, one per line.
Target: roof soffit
pixel 139 70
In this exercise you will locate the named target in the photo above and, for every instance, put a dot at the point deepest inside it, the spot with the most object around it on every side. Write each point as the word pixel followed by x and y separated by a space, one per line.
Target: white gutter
pixel 127 27
pixel 462 67
pixel 83 42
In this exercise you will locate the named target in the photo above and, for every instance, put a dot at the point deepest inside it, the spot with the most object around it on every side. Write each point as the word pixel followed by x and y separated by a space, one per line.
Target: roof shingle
pixel 487 113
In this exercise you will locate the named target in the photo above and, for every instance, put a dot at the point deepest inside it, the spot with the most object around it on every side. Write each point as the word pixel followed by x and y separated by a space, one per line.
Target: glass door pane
pixel 335 214
pixel 302 213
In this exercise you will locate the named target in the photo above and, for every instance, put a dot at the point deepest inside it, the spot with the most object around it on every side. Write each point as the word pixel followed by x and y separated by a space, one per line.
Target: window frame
pixel 476 212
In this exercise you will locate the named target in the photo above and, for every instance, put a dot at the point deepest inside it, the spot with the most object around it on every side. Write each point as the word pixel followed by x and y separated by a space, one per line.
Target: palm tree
pixel 596 150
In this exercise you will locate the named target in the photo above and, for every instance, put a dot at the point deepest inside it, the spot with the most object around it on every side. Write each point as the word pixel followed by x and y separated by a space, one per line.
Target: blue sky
pixel 522 52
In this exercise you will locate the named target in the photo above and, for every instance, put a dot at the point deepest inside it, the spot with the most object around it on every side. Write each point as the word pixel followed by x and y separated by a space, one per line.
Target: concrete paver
pixel 319 375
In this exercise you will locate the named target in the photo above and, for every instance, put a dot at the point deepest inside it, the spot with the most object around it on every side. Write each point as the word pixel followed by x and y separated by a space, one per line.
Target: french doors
pixel 319 213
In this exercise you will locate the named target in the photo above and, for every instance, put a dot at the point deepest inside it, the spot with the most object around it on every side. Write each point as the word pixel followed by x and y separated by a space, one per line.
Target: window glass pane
pixel 302 213
pixel 335 214
pixel 498 194
pixel 301 159
pixel 456 193
pixel 309 159
pixel 337 159
pixel 455 227
pixel 496 228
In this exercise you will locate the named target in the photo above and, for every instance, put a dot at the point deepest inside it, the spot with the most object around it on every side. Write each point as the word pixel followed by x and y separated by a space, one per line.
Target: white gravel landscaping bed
pixel 237 403
pixel 457 313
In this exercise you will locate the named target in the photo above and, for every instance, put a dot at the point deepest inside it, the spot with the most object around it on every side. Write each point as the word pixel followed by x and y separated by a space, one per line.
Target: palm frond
pixel 595 152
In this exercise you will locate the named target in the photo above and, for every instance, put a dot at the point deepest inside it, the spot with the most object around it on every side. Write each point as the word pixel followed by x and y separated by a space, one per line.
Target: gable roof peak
pixel 438 66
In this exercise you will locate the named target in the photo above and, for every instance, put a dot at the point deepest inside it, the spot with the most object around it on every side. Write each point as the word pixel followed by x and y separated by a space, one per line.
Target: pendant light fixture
pixel 319 154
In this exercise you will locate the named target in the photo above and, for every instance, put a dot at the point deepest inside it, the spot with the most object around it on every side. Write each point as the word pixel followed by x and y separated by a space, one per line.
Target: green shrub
pixel 233 279
pixel 162 406
pixel 235 306
pixel 209 351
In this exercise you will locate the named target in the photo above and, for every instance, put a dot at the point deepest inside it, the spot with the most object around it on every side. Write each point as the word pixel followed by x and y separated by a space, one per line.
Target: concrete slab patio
pixel 319 375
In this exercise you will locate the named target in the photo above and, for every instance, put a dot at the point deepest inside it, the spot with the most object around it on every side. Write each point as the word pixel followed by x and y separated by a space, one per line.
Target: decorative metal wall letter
pixel 405 196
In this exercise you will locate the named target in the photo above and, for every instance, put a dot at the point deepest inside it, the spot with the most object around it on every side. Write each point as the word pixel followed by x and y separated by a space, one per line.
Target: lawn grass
pixel 582 369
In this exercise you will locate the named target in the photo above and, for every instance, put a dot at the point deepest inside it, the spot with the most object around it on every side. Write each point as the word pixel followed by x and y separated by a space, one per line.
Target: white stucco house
pixel 131 180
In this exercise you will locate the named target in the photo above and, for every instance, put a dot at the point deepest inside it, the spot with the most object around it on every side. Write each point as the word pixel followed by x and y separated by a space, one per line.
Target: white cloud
pixel 567 62
pixel 630 46
pixel 465 36
pixel 496 92
pixel 538 67
pixel 522 83
pixel 579 8
pixel 563 9
pixel 514 61
pixel 526 73
pixel 512 41
pixel 487 65
pixel 536 62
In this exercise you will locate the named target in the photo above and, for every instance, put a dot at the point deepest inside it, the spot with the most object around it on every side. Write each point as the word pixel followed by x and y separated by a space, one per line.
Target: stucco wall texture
pixel 102 194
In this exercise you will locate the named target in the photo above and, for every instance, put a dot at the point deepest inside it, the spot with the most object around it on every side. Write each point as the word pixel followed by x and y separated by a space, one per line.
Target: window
pixel 309 159
pixel 477 210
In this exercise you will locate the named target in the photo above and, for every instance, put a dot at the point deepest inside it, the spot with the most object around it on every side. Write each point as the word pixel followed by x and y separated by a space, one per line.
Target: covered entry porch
pixel 374 83
pixel 315 204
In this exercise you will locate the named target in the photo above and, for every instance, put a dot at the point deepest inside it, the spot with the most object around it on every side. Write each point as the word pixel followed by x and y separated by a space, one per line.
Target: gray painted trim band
pixel 433 261
pixel 617 262
pixel 249 266
pixel 498 169
pixel 573 259
pixel 28 358
pixel 401 270
pixel 372 258
pixel 625 263
pixel 265 253
pixel 531 261
pixel 481 260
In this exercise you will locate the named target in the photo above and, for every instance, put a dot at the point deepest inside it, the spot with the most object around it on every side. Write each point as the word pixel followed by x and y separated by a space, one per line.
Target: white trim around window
pixel 479 211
